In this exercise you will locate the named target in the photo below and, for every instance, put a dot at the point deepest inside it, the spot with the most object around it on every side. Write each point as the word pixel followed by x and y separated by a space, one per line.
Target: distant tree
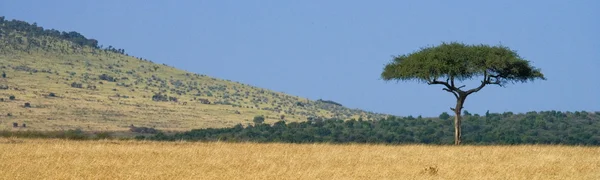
pixel 259 119
pixel 496 65
pixel 466 113
pixel 329 102
pixel 444 116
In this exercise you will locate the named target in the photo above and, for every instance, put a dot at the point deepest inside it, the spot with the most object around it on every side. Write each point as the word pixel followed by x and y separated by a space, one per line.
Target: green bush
pixel 104 135
pixel 76 85
pixel 259 119
pixel 444 116
pixel 76 134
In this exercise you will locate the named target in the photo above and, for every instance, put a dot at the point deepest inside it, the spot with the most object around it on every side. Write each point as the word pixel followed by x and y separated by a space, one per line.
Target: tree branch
pixel 455 95
pixel 448 86
pixel 487 79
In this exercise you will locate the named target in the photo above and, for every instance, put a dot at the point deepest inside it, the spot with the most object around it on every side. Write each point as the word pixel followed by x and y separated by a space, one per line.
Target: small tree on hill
pixel 449 63
pixel 259 119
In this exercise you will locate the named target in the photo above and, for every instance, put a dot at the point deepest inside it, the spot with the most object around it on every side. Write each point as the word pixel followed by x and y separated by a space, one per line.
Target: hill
pixel 53 80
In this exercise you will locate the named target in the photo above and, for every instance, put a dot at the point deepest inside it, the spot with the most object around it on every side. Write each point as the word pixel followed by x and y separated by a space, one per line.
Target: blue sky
pixel 336 50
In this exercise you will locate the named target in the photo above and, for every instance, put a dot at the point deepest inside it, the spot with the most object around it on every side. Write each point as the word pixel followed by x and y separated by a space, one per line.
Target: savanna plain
pixel 24 158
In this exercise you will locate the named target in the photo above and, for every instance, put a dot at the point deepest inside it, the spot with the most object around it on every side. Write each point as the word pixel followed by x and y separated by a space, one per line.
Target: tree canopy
pixel 454 61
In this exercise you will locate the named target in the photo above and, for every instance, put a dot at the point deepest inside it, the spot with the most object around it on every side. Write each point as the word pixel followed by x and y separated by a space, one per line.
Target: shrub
pixel 76 85
pixel 76 134
pixel 143 130
pixel 259 119
pixel 107 77
pixel 52 94
pixel 104 135
pixel 444 116
pixel 160 97
pixel 3 74
pixel 27 105
pixel 140 137
pixel 12 97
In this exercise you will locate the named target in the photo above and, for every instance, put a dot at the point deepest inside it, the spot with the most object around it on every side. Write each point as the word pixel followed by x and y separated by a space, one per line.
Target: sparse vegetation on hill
pixel 97 88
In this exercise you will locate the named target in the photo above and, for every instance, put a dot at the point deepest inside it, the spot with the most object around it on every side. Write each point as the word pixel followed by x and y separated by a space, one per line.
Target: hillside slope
pixel 54 80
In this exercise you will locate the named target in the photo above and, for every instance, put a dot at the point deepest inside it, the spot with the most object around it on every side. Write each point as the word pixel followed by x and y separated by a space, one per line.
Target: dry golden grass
pixel 62 159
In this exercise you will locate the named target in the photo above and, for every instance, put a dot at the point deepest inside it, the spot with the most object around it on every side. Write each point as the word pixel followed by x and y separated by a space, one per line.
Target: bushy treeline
pixel 71 134
pixel 33 30
pixel 549 127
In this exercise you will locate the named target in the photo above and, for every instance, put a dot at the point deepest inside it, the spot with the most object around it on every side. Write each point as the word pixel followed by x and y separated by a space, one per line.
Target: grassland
pixel 63 159
pixel 70 86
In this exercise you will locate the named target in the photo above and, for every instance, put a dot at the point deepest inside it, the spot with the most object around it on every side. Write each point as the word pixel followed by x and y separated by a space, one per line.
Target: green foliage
pixel 104 135
pixel 12 97
pixel 143 130
pixel 72 134
pixel 466 113
pixel 329 102
pixel 76 134
pixel 457 61
pixel 444 116
pixel 3 74
pixel 547 127
pixel 259 119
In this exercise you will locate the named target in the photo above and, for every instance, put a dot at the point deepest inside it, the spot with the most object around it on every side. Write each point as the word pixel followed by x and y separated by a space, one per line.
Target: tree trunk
pixel 457 119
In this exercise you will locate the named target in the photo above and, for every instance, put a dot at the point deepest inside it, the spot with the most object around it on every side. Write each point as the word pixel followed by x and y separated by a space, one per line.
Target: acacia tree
pixel 450 63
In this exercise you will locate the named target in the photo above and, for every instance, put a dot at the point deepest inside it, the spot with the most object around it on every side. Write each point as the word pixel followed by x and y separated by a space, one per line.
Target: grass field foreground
pixel 63 159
